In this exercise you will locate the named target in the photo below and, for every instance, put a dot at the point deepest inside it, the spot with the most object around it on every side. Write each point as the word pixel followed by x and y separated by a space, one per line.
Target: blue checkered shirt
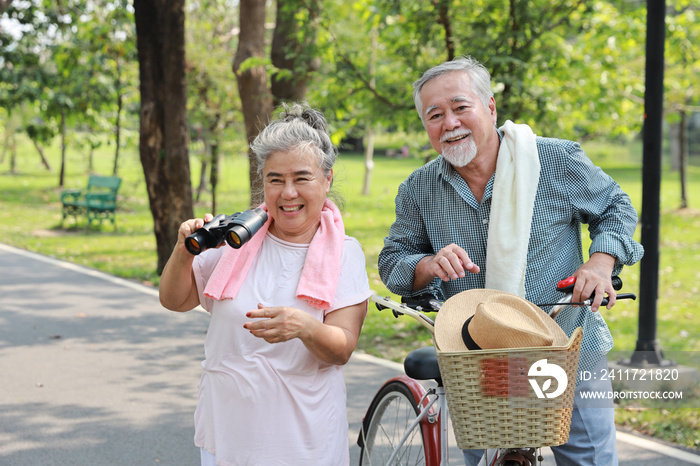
pixel 435 207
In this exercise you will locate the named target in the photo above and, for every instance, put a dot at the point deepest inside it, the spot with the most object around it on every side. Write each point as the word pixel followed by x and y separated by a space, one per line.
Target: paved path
pixel 93 371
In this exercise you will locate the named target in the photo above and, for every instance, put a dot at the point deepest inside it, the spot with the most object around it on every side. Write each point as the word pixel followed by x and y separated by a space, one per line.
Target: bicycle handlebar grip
pixel 381 308
pixel 567 285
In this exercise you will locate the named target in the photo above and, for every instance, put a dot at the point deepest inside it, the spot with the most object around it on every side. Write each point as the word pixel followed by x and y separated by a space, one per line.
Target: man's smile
pixel 454 137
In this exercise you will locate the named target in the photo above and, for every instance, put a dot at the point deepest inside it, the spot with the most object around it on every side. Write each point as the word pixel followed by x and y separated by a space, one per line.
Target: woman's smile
pixel 291 209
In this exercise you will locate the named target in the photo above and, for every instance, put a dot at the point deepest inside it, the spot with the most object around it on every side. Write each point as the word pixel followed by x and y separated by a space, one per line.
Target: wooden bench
pixel 97 202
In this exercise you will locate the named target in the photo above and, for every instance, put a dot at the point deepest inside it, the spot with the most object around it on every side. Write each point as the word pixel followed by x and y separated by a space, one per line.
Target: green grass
pixel 31 219
pixel 679 426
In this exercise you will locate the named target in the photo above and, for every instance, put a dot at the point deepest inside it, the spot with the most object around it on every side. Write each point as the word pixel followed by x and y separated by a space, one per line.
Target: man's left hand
pixel 595 276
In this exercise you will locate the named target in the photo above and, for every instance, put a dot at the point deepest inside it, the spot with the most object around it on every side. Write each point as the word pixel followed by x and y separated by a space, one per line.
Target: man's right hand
pixel 450 263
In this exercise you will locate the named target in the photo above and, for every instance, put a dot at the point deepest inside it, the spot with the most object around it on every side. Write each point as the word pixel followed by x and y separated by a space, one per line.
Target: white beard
pixel 461 154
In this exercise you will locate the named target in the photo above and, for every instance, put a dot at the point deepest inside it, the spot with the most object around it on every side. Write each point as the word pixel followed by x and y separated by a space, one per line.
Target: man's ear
pixel 492 109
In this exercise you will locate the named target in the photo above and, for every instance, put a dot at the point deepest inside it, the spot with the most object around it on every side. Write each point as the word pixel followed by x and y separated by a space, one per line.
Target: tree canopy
pixel 574 69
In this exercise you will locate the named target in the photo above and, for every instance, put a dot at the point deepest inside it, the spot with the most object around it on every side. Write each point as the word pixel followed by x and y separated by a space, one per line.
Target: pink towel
pixel 319 278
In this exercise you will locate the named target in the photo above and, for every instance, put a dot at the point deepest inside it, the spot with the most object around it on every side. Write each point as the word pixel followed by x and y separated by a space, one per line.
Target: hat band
pixel 467 338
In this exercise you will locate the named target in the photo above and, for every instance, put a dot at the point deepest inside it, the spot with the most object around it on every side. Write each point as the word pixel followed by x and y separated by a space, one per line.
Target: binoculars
pixel 235 229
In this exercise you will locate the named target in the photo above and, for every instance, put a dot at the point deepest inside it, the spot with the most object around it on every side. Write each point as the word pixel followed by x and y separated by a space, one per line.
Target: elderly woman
pixel 286 311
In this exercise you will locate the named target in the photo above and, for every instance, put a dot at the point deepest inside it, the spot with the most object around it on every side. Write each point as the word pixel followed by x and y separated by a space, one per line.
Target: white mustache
pixel 454 134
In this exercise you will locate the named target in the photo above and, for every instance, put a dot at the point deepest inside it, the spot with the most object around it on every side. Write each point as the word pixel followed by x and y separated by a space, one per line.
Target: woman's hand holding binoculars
pixel 235 230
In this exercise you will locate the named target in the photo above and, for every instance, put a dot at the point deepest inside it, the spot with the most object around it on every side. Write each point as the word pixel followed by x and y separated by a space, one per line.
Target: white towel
pixel 512 203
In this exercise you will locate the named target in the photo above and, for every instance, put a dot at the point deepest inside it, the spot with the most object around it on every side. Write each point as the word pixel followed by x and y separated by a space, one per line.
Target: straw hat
pixel 491 319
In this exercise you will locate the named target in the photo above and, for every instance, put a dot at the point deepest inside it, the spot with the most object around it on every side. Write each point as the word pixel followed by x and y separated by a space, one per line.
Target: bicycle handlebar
pixel 415 306
pixel 403 309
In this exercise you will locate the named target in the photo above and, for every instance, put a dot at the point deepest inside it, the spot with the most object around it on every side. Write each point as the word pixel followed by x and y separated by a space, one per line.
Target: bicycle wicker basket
pixel 493 404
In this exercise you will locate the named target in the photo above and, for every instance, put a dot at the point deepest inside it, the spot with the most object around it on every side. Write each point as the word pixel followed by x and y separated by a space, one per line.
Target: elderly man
pixel 502 208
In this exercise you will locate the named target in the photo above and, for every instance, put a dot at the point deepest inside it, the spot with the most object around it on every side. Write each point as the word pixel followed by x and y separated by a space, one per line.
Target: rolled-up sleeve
pixel 600 202
pixel 406 244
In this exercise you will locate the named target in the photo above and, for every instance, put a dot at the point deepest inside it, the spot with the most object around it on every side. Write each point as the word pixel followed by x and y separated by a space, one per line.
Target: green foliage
pixel 594 85
pixel 22 70
pixel 682 56
pixel 213 104
pixel 572 69
pixel 74 60
pixel 40 131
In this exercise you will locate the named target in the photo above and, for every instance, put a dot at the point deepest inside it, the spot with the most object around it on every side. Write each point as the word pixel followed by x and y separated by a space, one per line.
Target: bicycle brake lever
pixel 605 301
pixel 589 301
pixel 422 303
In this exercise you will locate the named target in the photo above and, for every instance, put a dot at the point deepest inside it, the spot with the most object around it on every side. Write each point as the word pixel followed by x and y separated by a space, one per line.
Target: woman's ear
pixel 329 181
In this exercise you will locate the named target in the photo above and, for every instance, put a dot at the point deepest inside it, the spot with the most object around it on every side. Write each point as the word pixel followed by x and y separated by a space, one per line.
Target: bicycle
pixel 407 424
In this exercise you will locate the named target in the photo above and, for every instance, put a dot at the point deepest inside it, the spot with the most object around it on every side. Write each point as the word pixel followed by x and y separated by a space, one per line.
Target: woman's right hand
pixel 177 289
pixel 190 226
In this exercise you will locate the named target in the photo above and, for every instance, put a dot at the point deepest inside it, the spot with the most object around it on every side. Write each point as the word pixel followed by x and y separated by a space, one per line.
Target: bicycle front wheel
pixel 391 413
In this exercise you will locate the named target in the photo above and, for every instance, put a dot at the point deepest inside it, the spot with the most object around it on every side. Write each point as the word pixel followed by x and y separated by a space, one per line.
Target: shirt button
pixel 485 221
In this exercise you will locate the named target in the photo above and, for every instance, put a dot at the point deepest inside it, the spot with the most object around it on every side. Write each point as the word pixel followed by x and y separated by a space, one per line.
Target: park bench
pixel 97 202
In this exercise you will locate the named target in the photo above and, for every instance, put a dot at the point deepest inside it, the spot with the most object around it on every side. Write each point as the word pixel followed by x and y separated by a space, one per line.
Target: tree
pixel 40 133
pixel 294 50
pixel 114 39
pixel 682 91
pixel 293 53
pixel 160 30
pixel 580 59
pixel 213 104
pixel 61 50
pixel 253 88
pixel 23 71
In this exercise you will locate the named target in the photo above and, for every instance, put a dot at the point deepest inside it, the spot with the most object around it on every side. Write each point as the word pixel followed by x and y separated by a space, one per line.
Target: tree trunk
pixel 293 49
pixel 674 145
pixel 4 4
pixel 253 89
pixel 204 137
pixel 13 154
pixel 202 177
pixel 41 154
pixel 160 31
pixel 12 144
pixel 62 174
pixel 117 125
pixel 369 161
pixel 9 130
pixel 369 151
pixel 443 11
pixel 684 159
pixel 214 173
